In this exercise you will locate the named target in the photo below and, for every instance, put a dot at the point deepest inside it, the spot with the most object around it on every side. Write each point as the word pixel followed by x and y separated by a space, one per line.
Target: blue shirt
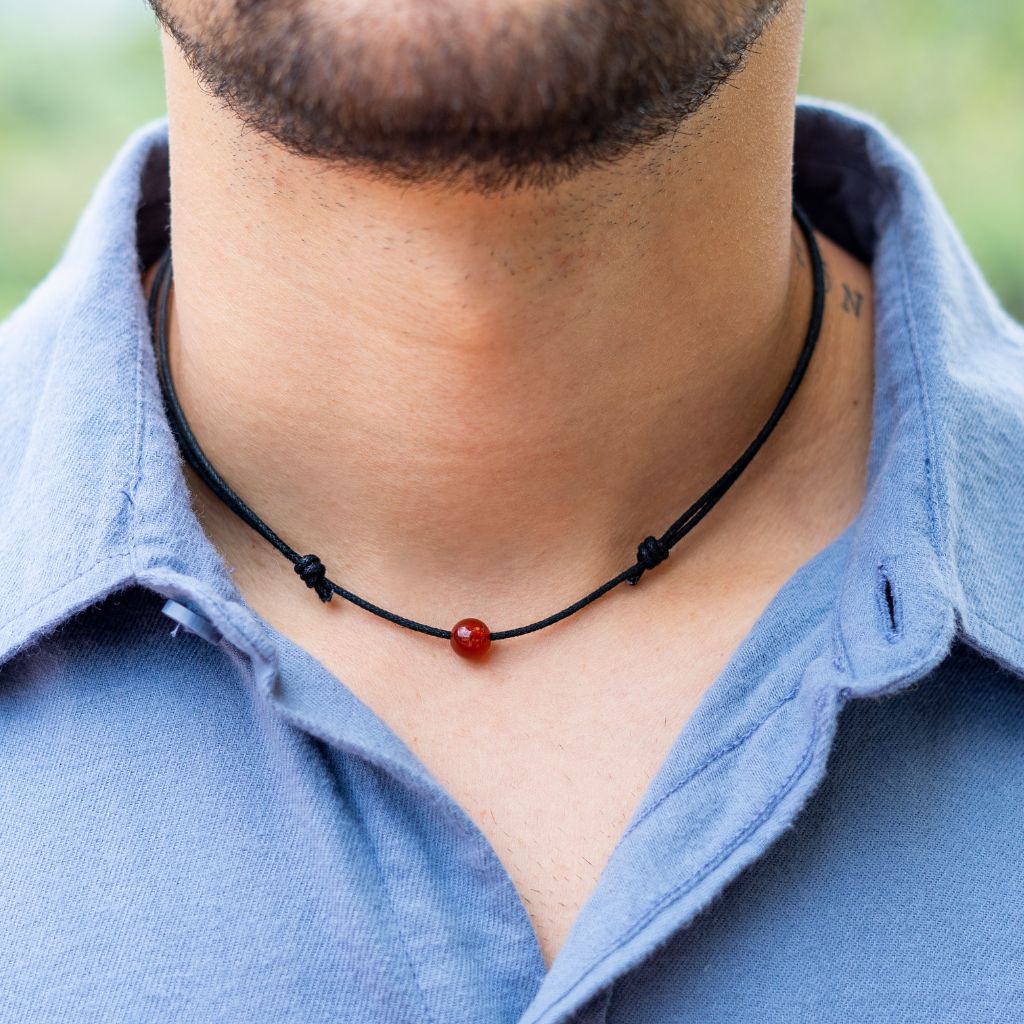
pixel 202 824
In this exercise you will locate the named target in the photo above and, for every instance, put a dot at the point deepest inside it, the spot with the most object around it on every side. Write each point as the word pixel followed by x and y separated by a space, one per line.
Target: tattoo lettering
pixel 852 301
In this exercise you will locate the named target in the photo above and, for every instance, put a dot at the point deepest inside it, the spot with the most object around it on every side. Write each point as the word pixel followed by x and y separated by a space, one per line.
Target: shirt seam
pixel 50 594
pixel 722 751
pixel 999 629
pixel 747 831
pixel 136 468
pixel 395 915
pixel 937 529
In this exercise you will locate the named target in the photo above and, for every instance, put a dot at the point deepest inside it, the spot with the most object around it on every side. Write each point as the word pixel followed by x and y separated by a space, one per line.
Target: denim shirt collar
pixel 93 498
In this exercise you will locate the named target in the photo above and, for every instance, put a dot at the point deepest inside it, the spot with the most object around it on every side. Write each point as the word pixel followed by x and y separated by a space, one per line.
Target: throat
pixel 482 466
pixel 448 395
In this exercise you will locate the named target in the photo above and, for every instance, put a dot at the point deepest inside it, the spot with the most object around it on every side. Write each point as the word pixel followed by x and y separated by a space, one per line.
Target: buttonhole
pixel 889 605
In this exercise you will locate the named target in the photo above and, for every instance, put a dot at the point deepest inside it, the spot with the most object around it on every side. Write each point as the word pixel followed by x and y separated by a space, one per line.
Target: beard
pixel 479 95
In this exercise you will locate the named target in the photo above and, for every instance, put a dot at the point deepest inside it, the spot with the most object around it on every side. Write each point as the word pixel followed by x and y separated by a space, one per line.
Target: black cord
pixel 651 552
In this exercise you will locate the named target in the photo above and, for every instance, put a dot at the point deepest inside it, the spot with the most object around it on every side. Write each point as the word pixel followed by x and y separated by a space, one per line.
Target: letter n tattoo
pixel 852 301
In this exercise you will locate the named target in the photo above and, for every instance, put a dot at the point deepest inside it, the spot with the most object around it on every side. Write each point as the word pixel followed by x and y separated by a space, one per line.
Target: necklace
pixel 471 637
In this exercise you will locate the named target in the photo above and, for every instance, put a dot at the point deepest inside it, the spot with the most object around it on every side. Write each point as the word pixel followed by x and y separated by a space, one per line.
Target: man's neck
pixel 503 394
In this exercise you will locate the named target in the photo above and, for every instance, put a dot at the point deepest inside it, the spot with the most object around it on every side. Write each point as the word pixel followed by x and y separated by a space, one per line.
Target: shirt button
pixel 190 621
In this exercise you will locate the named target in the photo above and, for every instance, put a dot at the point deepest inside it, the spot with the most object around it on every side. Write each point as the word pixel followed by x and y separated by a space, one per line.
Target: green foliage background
pixel 947 75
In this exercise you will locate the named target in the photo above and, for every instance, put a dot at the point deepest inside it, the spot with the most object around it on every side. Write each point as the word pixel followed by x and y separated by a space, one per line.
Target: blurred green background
pixel 947 75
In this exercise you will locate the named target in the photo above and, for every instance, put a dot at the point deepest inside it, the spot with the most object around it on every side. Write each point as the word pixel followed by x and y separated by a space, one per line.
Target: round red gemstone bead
pixel 470 638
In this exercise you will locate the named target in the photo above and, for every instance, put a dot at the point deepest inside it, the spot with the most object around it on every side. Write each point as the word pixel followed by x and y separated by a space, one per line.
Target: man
pixel 469 299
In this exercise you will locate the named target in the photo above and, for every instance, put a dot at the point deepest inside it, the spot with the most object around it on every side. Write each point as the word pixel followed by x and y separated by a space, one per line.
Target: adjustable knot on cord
pixel 312 572
pixel 649 554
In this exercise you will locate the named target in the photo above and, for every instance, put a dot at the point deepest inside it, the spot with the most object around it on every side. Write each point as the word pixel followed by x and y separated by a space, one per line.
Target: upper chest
pixel 547 747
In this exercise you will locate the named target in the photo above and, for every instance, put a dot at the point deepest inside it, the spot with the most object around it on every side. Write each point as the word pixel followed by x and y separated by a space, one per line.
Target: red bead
pixel 470 638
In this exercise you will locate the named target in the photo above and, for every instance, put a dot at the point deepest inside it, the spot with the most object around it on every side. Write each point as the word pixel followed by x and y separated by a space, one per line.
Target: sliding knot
pixel 649 554
pixel 312 572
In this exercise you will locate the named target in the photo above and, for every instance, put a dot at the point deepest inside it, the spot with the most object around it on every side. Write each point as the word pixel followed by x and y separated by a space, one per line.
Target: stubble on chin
pixel 484 95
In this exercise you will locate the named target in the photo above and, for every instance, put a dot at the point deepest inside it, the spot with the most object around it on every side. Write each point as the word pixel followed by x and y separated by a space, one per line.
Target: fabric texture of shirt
pixel 204 824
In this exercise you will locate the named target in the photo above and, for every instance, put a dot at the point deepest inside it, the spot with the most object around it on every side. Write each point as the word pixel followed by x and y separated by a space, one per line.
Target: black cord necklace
pixel 471 637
